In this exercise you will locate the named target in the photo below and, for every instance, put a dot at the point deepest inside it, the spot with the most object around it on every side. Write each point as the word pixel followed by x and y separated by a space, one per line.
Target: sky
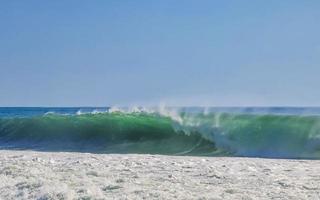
pixel 148 52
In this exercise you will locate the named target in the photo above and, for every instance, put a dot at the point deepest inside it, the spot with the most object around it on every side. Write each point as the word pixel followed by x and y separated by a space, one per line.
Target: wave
pixel 167 132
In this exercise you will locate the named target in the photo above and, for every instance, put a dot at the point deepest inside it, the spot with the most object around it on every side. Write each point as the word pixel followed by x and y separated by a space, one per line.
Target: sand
pixel 61 175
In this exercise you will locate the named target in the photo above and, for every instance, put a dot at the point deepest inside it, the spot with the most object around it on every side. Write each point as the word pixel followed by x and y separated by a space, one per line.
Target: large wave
pixel 167 132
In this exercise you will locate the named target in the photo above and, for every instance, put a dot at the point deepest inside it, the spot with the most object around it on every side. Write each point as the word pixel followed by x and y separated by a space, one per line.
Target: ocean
pixel 269 132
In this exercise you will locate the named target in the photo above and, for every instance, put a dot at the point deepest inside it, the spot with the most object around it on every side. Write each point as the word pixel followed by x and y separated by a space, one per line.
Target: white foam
pixel 153 177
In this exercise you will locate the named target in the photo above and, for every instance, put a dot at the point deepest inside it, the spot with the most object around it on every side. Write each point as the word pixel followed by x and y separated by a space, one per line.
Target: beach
pixel 72 175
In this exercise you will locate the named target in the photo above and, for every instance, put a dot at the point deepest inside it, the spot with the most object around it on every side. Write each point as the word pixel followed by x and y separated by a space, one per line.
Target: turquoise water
pixel 253 132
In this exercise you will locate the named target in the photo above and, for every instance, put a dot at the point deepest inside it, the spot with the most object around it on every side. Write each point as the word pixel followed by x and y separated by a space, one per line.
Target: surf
pixel 167 132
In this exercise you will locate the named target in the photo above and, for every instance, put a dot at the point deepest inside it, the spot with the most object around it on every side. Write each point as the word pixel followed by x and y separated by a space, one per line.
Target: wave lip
pixel 168 132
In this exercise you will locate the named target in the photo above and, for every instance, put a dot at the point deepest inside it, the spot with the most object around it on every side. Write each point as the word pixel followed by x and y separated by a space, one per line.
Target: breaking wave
pixel 167 132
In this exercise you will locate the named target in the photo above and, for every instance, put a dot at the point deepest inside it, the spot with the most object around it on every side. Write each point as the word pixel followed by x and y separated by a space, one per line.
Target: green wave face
pixel 267 135
pixel 192 134
pixel 108 132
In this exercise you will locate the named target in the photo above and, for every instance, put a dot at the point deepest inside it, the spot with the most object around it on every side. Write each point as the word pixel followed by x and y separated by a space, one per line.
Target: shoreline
pixel 71 175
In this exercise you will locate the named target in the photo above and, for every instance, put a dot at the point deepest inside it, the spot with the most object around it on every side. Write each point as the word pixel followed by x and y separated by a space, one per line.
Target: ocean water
pixel 276 132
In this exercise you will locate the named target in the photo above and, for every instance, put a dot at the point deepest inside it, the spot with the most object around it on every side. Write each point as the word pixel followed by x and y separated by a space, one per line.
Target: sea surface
pixel 272 132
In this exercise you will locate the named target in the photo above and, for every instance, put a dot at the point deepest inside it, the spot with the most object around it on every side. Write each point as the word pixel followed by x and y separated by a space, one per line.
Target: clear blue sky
pixel 124 52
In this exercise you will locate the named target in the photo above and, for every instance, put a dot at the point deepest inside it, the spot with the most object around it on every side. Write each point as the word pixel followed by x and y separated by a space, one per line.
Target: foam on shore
pixel 61 175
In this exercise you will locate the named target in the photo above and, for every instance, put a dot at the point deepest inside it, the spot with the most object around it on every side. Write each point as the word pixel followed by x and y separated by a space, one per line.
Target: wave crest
pixel 168 131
